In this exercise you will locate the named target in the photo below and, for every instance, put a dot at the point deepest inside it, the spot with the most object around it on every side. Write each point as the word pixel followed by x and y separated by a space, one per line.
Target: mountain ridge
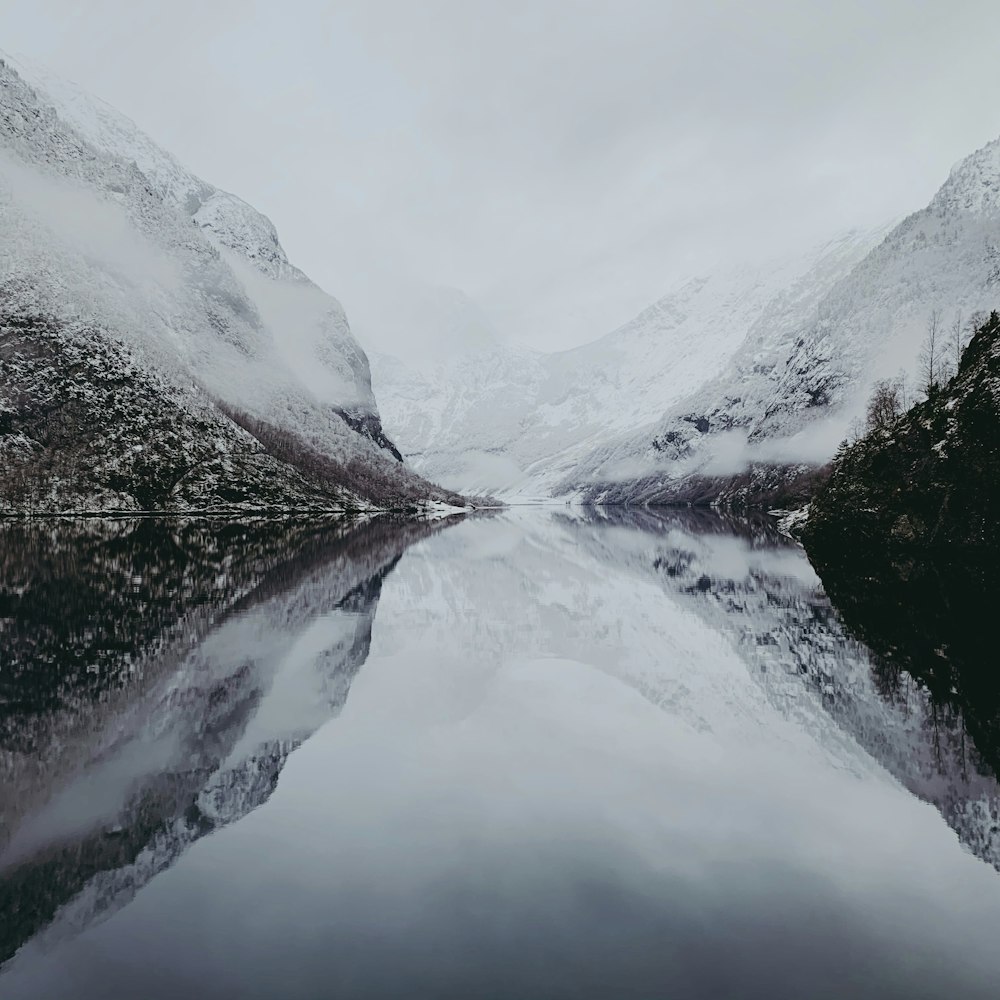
pixel 519 421
pixel 744 437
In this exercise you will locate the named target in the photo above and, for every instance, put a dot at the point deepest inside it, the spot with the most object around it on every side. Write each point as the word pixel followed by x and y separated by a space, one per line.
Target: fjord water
pixel 547 753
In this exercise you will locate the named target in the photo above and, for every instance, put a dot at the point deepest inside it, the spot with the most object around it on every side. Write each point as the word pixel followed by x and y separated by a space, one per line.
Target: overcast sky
pixel 564 162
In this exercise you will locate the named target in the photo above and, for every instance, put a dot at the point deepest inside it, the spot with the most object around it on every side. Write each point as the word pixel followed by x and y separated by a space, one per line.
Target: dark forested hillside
pixel 904 535
pixel 928 478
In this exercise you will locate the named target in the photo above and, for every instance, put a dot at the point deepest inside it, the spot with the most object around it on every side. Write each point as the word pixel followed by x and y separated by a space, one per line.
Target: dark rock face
pixel 371 427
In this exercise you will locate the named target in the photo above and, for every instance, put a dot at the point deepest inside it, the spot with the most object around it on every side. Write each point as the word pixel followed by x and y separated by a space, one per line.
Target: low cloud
pixel 95 228
pixel 731 453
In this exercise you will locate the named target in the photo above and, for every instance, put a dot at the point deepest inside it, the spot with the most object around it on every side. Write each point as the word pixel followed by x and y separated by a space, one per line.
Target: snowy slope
pixel 314 336
pixel 788 399
pixel 513 420
pixel 113 250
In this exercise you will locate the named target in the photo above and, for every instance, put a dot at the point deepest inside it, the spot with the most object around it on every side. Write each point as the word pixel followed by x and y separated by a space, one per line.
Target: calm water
pixel 542 754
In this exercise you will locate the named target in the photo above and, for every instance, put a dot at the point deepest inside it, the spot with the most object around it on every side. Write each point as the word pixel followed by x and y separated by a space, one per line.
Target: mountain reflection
pixel 155 677
pixel 590 752
pixel 896 662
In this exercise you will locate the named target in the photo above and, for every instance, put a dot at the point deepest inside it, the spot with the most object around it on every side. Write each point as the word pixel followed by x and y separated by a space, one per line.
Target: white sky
pixel 564 162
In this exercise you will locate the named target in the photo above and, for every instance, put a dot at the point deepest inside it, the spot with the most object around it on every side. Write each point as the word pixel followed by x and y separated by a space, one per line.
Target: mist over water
pixel 550 753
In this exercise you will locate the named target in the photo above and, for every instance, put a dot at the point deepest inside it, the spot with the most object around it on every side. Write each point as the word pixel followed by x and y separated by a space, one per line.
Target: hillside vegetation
pixel 928 478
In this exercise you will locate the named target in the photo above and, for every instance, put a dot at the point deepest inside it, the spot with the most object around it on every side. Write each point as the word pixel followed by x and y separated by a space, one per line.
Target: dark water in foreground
pixel 619 754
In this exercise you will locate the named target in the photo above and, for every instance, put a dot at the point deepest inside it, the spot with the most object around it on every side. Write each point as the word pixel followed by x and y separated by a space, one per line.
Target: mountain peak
pixel 973 184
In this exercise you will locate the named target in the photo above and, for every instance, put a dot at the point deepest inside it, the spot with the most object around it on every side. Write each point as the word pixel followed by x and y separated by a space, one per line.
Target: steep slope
pixel 173 304
pixel 514 420
pixel 786 401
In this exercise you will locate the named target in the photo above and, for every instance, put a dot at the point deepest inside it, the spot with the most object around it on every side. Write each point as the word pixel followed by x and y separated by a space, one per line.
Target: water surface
pixel 548 753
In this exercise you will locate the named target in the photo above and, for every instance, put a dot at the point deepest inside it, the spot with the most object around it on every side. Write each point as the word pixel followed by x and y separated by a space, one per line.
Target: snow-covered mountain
pixel 160 351
pixel 508 419
pixel 729 388
pixel 158 348
pixel 791 391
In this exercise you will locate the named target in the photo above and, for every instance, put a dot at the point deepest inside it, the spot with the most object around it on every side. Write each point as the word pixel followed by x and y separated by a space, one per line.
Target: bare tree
pixel 885 405
pixel 930 355
pixel 977 321
pixel 963 334
pixel 855 432
pixel 957 339
pixel 905 399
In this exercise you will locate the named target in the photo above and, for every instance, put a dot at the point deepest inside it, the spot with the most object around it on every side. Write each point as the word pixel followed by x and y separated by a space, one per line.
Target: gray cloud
pixel 563 161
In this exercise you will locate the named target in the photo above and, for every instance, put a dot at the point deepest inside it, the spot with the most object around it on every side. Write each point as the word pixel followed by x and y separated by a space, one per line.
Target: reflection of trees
pixel 927 620
pixel 93 608
pixel 97 618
